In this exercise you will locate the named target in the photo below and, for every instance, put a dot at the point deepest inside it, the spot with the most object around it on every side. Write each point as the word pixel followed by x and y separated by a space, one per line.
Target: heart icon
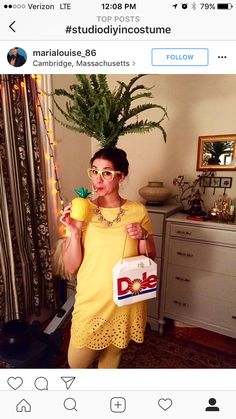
pixel 15 382
pixel 165 403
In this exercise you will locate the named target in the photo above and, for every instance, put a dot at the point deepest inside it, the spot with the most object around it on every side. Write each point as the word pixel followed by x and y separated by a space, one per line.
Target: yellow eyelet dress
pixel 97 321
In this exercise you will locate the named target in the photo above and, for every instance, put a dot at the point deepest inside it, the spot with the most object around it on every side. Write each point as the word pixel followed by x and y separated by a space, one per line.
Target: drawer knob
pixel 185 233
pixel 189 255
pixel 234 317
pixel 182 279
pixel 180 303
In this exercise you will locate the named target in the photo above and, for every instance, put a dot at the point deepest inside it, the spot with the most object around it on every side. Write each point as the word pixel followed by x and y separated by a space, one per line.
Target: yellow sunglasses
pixel 105 174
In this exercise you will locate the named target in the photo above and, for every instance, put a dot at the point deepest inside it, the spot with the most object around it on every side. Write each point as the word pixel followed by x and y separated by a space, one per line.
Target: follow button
pixel 180 56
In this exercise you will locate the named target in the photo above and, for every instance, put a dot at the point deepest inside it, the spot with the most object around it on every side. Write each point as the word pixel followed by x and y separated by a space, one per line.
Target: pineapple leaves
pixel 92 108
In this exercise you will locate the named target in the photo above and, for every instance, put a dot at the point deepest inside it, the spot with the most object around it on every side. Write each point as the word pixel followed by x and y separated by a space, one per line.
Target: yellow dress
pixel 97 321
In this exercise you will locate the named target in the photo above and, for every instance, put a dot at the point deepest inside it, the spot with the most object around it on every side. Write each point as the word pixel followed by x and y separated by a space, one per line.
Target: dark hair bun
pixel 116 155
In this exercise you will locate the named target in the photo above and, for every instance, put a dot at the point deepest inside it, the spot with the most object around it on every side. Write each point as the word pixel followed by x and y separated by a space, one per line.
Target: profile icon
pixel 212 407
pixel 16 57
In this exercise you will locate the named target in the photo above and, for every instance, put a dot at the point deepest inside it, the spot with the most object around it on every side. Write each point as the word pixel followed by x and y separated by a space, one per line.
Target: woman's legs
pixel 80 358
pixel 109 357
pixel 83 357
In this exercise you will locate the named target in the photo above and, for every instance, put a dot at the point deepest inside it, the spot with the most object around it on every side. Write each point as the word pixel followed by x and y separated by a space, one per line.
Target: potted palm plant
pixel 94 109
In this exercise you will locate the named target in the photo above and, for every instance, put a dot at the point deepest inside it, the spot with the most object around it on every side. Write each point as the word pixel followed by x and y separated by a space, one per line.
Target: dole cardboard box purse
pixel 134 279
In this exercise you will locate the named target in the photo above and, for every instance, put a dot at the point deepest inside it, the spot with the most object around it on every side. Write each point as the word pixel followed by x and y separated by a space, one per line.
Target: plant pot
pixel 155 193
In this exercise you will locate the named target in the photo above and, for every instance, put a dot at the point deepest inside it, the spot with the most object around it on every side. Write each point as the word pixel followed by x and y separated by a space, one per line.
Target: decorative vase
pixel 154 193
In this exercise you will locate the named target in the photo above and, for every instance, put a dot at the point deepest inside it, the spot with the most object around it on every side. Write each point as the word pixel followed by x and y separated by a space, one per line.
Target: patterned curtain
pixel 26 280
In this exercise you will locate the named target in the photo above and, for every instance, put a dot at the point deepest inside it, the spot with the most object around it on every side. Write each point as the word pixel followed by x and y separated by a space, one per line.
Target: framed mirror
pixel 217 152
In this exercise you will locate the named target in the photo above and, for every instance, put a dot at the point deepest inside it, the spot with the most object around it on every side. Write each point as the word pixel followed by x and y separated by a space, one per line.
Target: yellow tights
pixel 83 358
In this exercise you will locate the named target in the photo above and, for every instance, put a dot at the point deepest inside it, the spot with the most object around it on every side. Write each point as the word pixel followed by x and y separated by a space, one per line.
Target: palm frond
pixel 63 92
pixel 142 95
pixel 140 126
pixel 92 108
pixel 141 108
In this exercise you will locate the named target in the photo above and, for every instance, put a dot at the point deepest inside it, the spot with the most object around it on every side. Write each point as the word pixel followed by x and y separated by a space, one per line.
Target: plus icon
pixel 118 404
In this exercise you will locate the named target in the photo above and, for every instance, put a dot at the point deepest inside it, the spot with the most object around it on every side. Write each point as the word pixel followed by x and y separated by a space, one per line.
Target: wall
pixel 73 149
pixel 196 105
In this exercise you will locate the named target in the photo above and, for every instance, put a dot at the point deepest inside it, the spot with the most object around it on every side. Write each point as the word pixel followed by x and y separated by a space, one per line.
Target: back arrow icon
pixel 10 26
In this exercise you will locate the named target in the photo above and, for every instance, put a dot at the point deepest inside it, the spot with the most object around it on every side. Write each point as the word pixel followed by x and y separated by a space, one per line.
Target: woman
pixel 115 228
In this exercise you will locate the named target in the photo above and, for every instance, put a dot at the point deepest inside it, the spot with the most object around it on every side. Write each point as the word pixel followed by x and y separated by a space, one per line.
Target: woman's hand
pixel 135 231
pixel 72 254
pixel 72 225
pixel 146 242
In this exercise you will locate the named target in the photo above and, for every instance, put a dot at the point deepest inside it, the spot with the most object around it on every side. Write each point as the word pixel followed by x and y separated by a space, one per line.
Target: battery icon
pixel 224 6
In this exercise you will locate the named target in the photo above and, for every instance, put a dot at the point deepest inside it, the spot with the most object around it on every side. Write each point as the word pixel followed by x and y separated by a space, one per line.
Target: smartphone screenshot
pixel 117 209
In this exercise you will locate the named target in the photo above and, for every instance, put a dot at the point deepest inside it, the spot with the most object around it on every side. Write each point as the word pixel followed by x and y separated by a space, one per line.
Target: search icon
pixel 41 383
pixel 70 404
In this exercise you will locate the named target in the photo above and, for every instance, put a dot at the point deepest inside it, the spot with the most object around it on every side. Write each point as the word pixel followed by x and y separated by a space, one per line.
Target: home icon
pixel 23 406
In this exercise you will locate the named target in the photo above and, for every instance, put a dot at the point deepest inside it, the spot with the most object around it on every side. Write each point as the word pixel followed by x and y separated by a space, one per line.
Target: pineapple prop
pixel 80 206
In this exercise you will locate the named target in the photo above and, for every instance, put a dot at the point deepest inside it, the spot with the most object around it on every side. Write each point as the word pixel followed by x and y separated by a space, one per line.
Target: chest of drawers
pixel 158 215
pixel 199 274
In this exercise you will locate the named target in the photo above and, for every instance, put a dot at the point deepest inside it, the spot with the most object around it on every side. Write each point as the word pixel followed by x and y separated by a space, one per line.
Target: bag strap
pixel 123 252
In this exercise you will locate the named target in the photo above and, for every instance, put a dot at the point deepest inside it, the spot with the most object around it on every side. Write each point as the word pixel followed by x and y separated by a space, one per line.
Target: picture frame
pixel 215 182
pixel 216 152
pixel 226 182
pixel 205 182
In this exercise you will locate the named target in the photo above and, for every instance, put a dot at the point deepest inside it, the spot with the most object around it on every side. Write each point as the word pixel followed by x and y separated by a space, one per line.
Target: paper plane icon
pixel 68 381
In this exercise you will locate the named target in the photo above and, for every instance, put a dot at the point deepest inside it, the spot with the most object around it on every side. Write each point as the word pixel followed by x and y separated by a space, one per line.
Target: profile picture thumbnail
pixel 17 57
